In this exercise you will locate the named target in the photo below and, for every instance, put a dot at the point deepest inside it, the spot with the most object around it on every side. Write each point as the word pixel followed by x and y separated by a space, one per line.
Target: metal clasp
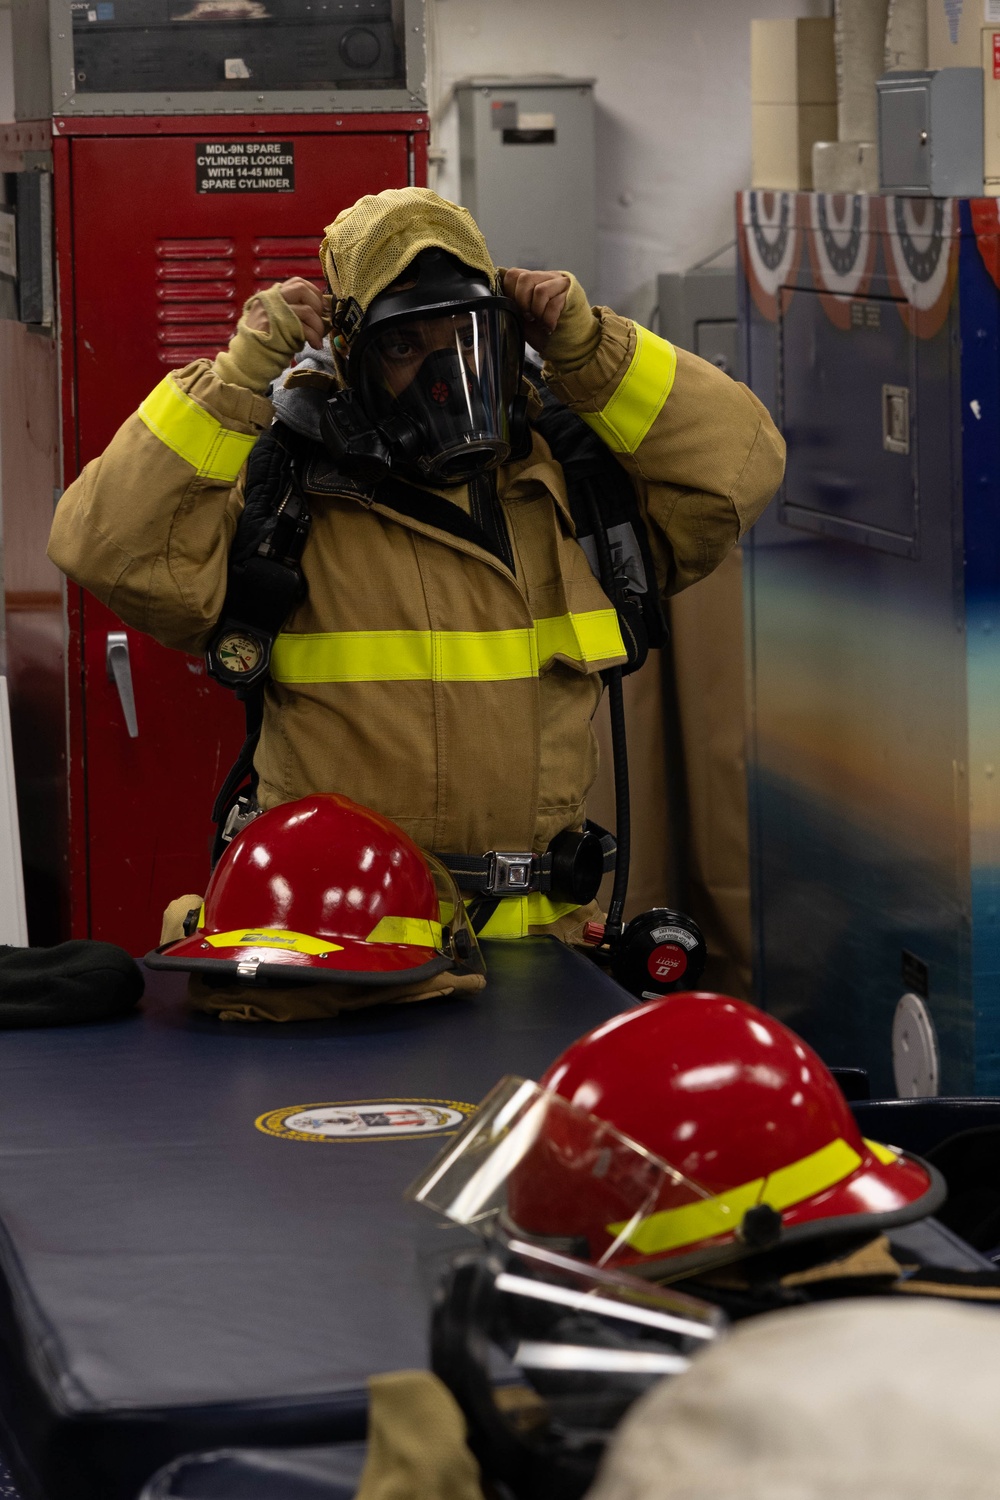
pixel 510 874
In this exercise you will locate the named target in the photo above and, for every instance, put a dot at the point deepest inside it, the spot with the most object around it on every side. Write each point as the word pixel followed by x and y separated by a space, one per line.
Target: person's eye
pixel 400 349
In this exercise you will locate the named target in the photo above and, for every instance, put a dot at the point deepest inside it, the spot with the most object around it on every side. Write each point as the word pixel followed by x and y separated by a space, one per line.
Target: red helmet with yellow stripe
pixel 682 1134
pixel 324 890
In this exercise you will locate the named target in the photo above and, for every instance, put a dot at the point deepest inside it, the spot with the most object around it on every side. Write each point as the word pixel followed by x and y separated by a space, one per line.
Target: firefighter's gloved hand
pixel 577 334
pixel 254 358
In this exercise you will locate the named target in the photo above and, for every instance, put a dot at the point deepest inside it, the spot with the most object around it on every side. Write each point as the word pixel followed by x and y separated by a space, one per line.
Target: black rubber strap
pixel 473 872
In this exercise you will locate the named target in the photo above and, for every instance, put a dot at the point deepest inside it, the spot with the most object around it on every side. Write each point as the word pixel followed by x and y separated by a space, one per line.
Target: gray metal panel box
pixel 170 57
pixel 930 132
pixel 697 310
pixel 527 170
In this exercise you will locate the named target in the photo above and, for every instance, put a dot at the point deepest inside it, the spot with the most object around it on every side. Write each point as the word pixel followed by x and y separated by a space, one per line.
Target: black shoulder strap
pixel 593 475
pixel 485 528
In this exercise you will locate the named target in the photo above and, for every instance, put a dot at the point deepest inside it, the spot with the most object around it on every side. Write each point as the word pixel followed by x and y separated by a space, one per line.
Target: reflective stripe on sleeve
pixel 213 451
pixel 446 655
pixel 673 1228
pixel 640 397
pixel 516 914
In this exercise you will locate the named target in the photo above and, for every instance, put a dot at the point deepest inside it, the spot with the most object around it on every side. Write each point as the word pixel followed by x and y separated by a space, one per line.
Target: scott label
pixel 667 962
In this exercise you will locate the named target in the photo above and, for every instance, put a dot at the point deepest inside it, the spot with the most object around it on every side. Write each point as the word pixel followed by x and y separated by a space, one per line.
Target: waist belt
pixel 560 870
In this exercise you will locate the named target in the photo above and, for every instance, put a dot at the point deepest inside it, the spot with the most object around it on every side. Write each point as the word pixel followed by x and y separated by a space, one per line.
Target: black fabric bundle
pixel 71 983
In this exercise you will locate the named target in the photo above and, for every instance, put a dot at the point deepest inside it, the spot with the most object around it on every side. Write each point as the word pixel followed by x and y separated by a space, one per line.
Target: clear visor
pixel 532 1162
pixel 458 940
pixel 544 1348
pixel 449 379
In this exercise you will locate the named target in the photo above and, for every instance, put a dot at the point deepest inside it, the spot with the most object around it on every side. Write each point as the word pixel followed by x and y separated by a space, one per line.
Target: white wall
pixel 673 113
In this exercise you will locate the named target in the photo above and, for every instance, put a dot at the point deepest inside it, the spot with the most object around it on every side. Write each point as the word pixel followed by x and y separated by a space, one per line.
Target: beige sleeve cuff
pixel 577 334
pixel 254 359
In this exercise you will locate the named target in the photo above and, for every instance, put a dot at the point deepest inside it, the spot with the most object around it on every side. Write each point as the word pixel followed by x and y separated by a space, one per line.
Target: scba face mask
pixel 434 375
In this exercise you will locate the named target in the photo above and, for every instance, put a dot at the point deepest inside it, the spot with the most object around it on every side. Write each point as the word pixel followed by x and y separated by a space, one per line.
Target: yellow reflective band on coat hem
pixel 447 655
pixel 673 1228
pixel 214 451
pixel 418 932
pixel 516 914
pixel 640 397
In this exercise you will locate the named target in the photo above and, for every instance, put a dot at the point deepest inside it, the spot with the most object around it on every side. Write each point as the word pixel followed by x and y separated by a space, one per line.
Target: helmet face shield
pixel 532 1161
pixel 442 383
pixel 458 942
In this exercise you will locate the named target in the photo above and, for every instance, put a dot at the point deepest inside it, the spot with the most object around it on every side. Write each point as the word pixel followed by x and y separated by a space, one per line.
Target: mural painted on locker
pixel 873 613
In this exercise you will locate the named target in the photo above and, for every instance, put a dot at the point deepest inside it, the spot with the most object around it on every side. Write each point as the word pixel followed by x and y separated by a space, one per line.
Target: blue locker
pixel 872 587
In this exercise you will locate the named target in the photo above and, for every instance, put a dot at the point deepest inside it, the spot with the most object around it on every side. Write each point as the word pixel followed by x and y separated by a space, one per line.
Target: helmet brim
pixel 349 962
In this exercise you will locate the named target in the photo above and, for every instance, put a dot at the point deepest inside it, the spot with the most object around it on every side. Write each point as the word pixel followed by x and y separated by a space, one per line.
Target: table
pixel 181 1269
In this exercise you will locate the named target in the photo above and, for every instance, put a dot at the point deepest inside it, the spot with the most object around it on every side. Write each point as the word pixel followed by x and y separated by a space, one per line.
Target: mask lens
pixel 450 379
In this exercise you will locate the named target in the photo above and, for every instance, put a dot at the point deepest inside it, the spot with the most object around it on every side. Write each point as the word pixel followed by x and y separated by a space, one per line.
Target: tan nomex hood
pixel 368 245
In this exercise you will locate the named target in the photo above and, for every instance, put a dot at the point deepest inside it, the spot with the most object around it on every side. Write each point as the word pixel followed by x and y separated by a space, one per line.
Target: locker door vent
pixel 283 256
pixel 196 299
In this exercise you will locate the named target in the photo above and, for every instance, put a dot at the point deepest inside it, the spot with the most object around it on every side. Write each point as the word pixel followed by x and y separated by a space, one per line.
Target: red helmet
pixel 686 1132
pixel 324 890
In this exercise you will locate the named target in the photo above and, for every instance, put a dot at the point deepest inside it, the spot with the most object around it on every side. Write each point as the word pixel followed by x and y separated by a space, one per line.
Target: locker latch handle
pixel 120 673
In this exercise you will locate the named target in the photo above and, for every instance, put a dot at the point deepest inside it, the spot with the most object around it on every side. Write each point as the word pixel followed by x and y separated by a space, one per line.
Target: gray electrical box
pixel 697 310
pixel 163 57
pixel 527 170
pixel 930 133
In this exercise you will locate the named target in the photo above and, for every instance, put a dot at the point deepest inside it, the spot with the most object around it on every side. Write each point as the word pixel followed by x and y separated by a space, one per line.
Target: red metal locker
pixel 152 273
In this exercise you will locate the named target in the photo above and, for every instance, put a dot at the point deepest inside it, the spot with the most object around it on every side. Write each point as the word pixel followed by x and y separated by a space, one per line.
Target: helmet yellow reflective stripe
pixel 516 914
pixel 884 1154
pixel 640 397
pixel 419 932
pixel 673 1228
pixel 214 451
pixel 447 655
pixel 272 937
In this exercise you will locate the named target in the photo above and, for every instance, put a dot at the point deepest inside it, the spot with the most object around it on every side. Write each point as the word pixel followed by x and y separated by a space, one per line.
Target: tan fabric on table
pixel 416 1442
pixel 872 1399
pixel 317 1002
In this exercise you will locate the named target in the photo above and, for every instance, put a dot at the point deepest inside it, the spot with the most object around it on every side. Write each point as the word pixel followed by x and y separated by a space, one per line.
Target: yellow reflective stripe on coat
pixel 592 636
pixel 516 914
pixel 419 932
pixel 673 1228
pixel 640 397
pixel 194 434
pixel 446 655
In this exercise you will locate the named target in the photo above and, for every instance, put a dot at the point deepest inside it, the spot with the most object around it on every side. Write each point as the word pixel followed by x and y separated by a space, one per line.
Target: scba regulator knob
pixel 659 951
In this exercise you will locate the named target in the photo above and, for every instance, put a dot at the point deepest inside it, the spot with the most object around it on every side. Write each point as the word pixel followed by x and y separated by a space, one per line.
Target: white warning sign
pixel 245 166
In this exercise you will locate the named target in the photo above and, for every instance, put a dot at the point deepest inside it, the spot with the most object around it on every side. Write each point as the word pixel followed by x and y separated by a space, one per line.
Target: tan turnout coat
pixel 463 765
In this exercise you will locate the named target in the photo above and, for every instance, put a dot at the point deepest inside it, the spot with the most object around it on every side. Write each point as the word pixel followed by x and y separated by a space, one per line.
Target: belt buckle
pixel 510 874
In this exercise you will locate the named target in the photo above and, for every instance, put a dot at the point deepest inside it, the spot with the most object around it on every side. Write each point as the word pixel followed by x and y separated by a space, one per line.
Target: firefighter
pixel 442 662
